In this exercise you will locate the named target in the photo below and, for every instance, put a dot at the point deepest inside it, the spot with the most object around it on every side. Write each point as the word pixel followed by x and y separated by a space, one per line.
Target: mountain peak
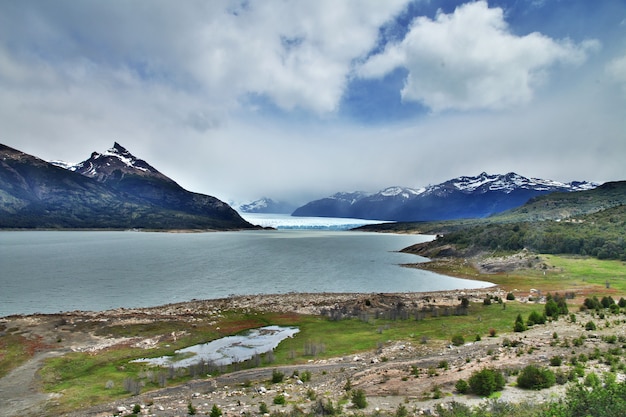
pixel 116 161
pixel 119 149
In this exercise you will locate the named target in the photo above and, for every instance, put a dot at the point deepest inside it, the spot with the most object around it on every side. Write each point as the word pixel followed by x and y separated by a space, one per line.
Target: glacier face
pixel 284 221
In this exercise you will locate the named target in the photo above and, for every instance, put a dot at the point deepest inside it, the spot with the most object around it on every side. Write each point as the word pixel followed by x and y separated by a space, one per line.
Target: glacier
pixel 285 221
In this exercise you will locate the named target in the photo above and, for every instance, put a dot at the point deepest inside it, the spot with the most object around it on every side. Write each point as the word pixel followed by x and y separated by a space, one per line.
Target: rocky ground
pixel 387 375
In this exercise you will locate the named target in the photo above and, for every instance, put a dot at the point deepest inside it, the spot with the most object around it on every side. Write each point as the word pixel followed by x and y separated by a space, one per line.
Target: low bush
pixel 458 340
pixel 461 386
pixel 486 381
pixel 534 377
pixel 277 376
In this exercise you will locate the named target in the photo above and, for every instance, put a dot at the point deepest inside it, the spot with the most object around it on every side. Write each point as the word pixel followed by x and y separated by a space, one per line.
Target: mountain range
pixel 110 190
pixel 266 205
pixel 463 197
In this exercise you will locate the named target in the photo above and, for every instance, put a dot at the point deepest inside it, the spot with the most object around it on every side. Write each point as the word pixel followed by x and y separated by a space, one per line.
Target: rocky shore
pixel 385 374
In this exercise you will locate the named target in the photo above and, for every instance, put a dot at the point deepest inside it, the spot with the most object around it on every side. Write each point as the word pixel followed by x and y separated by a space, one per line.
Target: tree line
pixel 600 235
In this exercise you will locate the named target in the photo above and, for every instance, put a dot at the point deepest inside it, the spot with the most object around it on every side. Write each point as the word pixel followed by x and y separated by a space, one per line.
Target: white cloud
pixel 616 69
pixel 297 54
pixel 471 60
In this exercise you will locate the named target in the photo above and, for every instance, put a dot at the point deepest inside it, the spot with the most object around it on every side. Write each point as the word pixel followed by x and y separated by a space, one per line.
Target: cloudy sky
pixel 296 100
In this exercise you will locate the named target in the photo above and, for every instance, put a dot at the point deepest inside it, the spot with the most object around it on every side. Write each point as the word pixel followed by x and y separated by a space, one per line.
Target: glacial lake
pixel 54 271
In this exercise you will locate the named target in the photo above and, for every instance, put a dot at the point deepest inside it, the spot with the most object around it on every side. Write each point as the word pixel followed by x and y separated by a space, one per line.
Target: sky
pixel 298 99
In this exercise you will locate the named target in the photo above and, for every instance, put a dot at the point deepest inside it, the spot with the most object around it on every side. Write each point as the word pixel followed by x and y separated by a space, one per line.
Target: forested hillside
pixel 600 234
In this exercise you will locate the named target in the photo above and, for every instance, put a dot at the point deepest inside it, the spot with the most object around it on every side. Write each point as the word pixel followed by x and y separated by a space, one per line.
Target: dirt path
pixel 19 393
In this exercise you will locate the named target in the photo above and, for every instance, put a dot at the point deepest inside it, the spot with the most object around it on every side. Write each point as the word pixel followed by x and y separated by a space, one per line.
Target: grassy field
pixel 86 379
pixel 585 276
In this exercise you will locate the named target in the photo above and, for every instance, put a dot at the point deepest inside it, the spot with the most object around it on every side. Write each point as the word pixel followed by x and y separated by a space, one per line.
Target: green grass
pixel 591 271
pixel 582 275
pixel 82 377
pixel 13 352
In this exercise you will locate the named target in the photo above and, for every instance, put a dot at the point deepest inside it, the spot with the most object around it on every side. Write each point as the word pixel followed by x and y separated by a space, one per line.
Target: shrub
pixel 535 318
pixel 327 408
pixel 493 332
pixel 277 376
pixel 279 399
pixel 310 394
pixel 263 409
pixel 458 340
pixel 534 377
pixel 486 382
pixel 592 380
pixel 590 325
pixel 556 361
pixel 358 399
pixel 461 386
pixel 487 301
pixel 401 411
pixel 510 296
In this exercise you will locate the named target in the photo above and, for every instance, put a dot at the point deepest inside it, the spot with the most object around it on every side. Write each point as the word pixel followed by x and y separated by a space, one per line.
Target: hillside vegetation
pixel 599 234
pixel 588 223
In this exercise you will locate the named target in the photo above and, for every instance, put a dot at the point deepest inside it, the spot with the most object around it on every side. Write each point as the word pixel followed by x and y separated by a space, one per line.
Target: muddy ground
pixel 386 375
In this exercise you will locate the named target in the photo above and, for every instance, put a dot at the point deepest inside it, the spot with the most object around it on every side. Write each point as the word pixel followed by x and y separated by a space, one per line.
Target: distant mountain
pixel 588 223
pixel 463 197
pixel 266 205
pixel 110 190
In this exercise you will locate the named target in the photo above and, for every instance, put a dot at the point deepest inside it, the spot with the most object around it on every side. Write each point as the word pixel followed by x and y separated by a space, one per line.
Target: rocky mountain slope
pixel 109 190
pixel 463 197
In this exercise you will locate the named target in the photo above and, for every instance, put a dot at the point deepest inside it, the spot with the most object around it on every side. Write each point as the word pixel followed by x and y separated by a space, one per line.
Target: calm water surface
pixel 56 271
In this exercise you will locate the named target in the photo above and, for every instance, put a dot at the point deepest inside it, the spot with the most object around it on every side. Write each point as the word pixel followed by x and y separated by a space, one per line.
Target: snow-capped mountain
pixel 113 189
pixel 114 164
pixel 462 197
pixel 506 183
pixel 265 205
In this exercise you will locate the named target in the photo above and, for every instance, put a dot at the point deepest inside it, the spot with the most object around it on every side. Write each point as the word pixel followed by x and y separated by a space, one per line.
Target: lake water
pixel 227 350
pixel 53 271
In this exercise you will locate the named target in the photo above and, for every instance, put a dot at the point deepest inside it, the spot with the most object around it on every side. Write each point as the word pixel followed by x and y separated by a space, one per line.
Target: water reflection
pixel 227 350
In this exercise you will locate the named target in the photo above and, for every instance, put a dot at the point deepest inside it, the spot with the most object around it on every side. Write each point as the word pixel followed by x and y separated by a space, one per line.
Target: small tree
pixel 358 399
pixel 215 411
pixel 519 325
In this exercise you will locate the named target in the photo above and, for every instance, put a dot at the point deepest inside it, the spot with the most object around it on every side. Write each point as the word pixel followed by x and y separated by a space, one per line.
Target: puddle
pixel 227 350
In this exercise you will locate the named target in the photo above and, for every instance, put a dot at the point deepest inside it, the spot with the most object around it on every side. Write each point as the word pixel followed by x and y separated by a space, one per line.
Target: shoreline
pixel 299 303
